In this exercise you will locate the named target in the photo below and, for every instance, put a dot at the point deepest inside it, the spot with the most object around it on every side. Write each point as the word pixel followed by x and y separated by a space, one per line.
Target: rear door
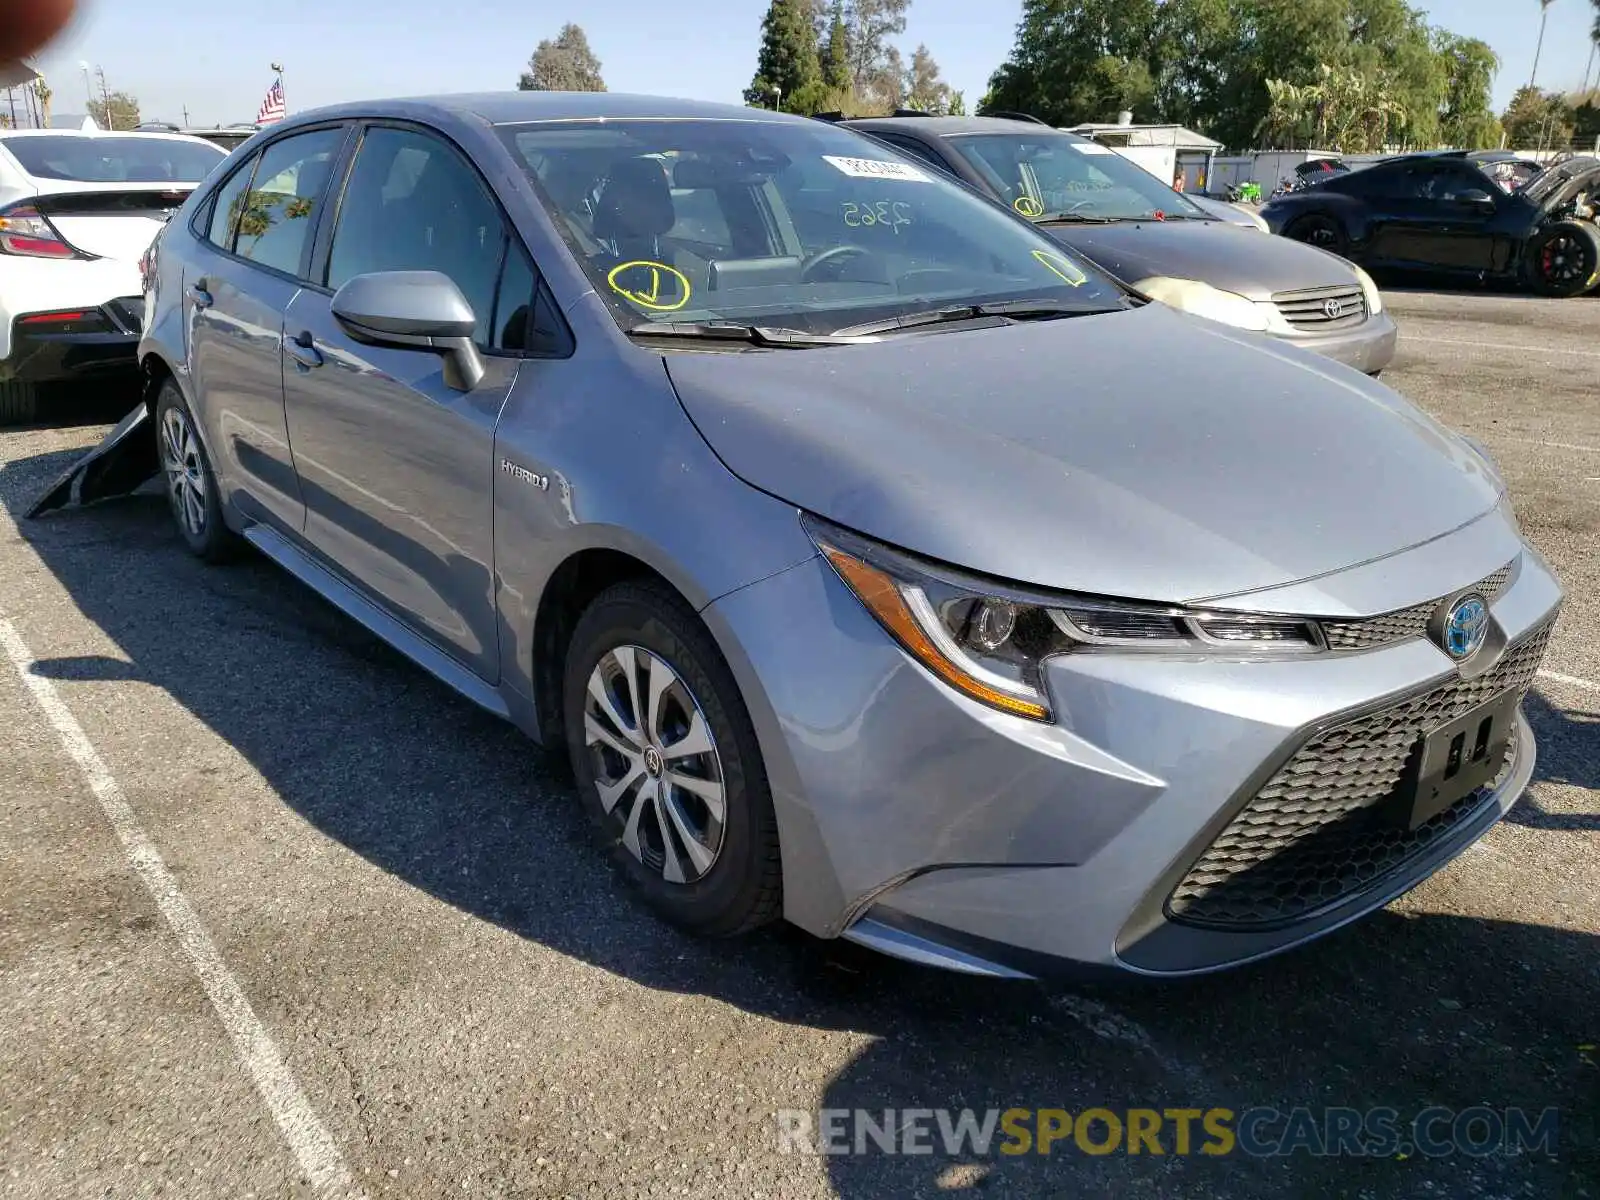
pixel 396 466
pixel 253 244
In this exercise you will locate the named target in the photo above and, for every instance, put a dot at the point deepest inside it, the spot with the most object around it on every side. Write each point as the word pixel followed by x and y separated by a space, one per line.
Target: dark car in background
pixel 1113 212
pixel 1451 214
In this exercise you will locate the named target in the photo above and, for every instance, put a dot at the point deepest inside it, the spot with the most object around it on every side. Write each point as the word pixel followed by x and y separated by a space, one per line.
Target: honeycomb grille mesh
pixel 1314 833
pixel 1400 626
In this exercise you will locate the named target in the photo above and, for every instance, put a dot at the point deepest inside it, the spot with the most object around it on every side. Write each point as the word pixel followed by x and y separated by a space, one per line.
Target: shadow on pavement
pixel 1399 1011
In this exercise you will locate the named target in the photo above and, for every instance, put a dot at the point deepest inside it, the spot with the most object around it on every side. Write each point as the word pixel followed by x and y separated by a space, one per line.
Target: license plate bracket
pixel 1457 758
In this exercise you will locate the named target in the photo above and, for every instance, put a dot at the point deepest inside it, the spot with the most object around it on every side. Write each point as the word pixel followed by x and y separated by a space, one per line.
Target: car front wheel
pixel 667 763
pixel 1564 259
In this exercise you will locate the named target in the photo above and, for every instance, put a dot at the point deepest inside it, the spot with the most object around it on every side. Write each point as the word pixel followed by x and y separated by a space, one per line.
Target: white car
pixel 78 209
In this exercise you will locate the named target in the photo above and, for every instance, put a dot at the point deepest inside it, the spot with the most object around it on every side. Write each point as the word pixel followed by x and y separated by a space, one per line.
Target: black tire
pixel 19 403
pixel 1564 259
pixel 1320 231
pixel 742 887
pixel 207 537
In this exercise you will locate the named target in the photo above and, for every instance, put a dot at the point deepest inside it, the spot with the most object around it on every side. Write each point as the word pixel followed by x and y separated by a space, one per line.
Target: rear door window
pixel 226 205
pixel 278 213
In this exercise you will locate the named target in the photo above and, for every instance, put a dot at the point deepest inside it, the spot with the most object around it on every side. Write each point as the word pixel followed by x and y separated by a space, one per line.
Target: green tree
pixel 1537 120
pixel 118 110
pixel 788 67
pixel 836 71
pixel 958 104
pixel 1079 60
pixel 872 24
pixel 1466 120
pixel 566 64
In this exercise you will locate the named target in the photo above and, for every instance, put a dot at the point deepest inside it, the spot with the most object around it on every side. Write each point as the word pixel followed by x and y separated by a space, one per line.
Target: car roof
pixel 505 108
pixel 954 126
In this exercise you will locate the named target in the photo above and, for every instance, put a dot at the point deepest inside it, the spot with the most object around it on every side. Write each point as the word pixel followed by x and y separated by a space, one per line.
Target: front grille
pixel 1323 310
pixel 1403 625
pixel 1316 832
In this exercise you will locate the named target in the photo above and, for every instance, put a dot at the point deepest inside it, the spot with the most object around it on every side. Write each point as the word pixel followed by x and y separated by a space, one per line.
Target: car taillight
pixel 147 267
pixel 24 231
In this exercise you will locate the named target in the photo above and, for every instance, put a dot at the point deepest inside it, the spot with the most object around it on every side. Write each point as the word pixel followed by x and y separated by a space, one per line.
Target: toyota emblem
pixel 1334 308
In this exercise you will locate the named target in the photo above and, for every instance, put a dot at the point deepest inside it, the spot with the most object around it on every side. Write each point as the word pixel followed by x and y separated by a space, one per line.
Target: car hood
pixel 1214 252
pixel 1143 454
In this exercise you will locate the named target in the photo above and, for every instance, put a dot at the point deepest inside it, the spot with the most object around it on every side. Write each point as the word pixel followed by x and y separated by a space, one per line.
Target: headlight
pixel 1369 289
pixel 1203 300
pixel 989 641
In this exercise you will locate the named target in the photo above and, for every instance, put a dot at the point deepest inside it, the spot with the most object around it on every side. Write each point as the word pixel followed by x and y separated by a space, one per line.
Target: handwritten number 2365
pixel 883 212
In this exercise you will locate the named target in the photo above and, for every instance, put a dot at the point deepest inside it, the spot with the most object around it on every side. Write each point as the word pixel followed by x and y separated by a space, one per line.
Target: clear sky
pixel 214 57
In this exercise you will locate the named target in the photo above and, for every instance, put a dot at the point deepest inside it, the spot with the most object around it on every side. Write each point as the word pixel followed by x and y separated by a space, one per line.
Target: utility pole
pixel 1538 49
pixel 186 116
pixel 105 98
pixel 11 95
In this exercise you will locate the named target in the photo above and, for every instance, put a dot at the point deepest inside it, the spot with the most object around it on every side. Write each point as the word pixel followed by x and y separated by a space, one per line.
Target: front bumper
pixel 928 826
pixel 102 346
pixel 1369 347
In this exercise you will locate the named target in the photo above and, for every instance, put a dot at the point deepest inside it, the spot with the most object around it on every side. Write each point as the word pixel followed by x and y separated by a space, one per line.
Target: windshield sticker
pixel 893 213
pixel 1061 267
pixel 872 168
pixel 651 285
pixel 1091 148
pixel 1028 206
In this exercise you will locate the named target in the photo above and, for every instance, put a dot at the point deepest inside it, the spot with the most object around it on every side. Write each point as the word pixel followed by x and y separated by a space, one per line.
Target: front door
pixel 243 275
pixel 395 466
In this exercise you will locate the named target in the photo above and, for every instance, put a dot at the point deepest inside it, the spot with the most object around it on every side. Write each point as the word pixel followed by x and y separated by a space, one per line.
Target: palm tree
pixel 1538 49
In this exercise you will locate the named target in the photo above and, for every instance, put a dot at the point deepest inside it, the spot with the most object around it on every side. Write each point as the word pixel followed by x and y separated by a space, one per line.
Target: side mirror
pixel 420 310
pixel 1476 198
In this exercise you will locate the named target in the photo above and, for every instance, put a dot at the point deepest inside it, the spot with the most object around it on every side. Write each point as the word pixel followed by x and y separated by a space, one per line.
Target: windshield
pixel 782 224
pixel 1044 175
pixel 133 158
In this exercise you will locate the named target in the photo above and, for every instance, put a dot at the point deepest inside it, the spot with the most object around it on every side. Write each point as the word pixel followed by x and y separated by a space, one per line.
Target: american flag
pixel 272 108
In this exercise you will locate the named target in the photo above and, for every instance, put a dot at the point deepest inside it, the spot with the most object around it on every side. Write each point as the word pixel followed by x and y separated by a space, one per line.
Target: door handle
pixel 201 297
pixel 303 349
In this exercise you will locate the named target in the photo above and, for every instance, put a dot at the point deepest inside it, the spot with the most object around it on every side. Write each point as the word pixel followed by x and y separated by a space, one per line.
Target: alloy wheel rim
pixel 1562 259
pixel 186 477
pixel 1321 235
pixel 655 763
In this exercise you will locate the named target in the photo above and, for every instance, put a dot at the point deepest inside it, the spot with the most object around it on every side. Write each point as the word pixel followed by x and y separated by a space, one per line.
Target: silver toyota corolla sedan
pixel 879 564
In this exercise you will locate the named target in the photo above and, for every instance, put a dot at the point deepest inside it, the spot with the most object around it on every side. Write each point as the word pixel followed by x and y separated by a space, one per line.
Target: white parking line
pixel 1506 437
pixel 310 1140
pixel 1415 337
pixel 1587 685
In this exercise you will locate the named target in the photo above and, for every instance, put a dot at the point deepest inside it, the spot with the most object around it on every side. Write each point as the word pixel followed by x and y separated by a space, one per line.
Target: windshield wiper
pixel 1017 310
pixel 757 335
pixel 1074 218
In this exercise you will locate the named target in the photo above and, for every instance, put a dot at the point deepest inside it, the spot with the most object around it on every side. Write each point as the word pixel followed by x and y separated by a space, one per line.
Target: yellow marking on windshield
pixel 1061 267
pixel 641 282
pixel 1028 206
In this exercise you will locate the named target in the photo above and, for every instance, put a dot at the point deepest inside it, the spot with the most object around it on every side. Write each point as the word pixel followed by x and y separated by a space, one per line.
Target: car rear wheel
pixel 1322 232
pixel 1564 259
pixel 192 491
pixel 667 764
pixel 19 403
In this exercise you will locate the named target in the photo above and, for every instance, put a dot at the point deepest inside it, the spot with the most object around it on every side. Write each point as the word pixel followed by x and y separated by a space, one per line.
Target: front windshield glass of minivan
pixel 782 224
pixel 1049 175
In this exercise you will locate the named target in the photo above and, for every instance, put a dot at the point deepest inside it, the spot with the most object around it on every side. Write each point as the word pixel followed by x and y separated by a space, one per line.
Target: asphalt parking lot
pixel 280 916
